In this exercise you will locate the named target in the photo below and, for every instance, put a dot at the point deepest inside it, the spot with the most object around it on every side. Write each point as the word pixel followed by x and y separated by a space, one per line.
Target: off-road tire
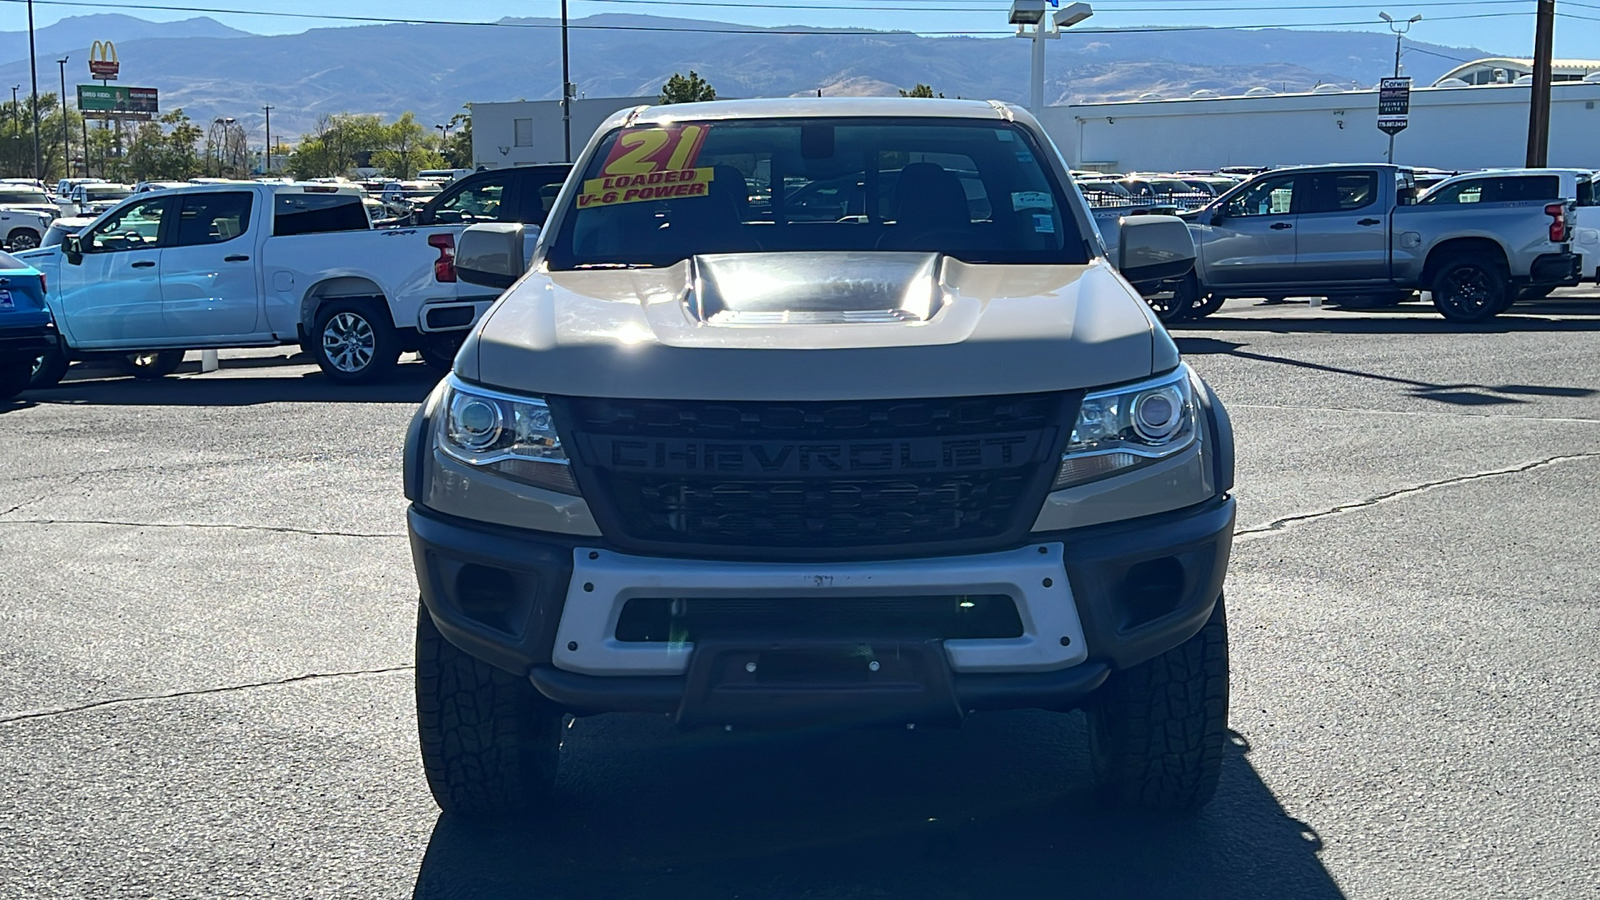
pixel 1526 295
pixel 15 374
pixel 1467 289
pixel 1176 307
pixel 354 340
pixel 1157 731
pixel 149 365
pixel 439 350
pixel 48 369
pixel 490 742
pixel 22 239
pixel 1204 304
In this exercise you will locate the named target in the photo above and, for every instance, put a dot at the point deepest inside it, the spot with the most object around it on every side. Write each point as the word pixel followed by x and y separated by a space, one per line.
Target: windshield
pixel 108 193
pixel 976 190
pixel 16 196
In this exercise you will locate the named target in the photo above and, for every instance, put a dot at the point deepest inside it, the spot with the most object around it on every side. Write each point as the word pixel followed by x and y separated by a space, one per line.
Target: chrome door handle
pixel 143 264
pixel 1279 226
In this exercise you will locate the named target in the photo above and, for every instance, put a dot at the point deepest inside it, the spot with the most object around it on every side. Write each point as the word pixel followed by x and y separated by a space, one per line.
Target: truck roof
pixel 818 107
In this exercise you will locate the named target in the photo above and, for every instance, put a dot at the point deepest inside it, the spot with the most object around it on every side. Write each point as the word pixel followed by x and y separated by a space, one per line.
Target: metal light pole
pixel 1399 29
pixel 268 169
pixel 66 145
pixel 566 86
pixel 33 69
pixel 1032 12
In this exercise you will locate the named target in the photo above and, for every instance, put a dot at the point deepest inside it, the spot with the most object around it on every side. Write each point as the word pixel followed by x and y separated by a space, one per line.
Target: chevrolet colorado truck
pixel 1359 231
pixel 743 455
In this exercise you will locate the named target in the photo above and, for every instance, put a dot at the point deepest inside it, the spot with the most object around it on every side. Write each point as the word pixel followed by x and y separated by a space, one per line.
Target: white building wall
pixel 1451 128
pixel 498 140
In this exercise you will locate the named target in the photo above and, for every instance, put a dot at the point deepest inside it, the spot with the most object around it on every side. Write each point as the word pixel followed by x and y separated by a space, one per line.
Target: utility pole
pixel 33 69
pixel 16 127
pixel 268 169
pixel 566 85
pixel 66 145
pixel 1539 98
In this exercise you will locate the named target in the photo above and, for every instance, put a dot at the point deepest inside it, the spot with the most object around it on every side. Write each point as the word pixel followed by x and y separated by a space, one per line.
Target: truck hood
pixel 797 326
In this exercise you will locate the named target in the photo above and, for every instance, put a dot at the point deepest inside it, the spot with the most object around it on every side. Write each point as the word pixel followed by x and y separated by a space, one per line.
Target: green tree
pixel 16 138
pixel 457 148
pixel 165 149
pixel 693 89
pixel 331 148
pixel 921 90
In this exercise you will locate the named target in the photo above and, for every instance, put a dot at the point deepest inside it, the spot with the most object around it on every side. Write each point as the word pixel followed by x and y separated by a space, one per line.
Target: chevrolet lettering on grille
pixel 818 458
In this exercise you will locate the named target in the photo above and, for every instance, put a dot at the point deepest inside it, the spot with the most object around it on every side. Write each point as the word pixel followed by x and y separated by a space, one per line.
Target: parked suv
pixel 712 460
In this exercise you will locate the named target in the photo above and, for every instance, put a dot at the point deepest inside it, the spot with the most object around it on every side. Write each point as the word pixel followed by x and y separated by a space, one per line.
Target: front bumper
pixel 1091 601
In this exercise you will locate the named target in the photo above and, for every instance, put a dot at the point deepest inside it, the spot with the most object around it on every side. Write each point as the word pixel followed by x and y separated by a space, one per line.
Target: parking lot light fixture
pixel 1026 13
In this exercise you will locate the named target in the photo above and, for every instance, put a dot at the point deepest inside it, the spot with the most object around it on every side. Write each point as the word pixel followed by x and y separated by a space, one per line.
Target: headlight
pixel 505 434
pixel 1129 427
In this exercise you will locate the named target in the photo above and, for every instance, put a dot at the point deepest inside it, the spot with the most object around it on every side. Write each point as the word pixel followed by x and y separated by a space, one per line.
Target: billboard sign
pixel 107 102
pixel 103 62
pixel 1394 105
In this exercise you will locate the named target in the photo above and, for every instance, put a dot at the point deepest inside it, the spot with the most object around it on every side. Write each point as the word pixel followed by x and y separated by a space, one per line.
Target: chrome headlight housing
pixel 509 435
pixel 1124 428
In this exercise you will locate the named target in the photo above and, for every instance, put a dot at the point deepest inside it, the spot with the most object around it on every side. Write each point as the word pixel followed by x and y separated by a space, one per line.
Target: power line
pixel 749 30
pixel 991 9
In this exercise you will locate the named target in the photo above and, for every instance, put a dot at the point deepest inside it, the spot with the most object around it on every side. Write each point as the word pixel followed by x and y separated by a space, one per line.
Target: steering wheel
pixel 132 237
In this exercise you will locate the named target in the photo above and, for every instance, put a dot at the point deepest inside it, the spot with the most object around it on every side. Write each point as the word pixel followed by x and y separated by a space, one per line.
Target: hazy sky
pixel 1502 26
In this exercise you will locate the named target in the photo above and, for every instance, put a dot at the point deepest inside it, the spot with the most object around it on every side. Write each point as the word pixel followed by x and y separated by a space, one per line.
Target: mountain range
pixel 210 69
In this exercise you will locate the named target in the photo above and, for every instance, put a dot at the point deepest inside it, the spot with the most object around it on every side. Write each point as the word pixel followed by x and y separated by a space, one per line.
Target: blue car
pixel 26 327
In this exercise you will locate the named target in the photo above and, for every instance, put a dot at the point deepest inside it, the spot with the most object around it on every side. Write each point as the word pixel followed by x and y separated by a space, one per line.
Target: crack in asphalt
pixel 1416 413
pixel 280 529
pixel 1280 524
pixel 199 692
pixel 24 503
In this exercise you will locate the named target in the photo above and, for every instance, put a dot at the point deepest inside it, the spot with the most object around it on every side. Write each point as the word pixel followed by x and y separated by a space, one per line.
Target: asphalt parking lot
pixel 207 608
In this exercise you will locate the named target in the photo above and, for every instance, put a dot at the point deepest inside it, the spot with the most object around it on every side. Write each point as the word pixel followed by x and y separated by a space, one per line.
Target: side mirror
pixel 491 254
pixel 1153 248
pixel 72 249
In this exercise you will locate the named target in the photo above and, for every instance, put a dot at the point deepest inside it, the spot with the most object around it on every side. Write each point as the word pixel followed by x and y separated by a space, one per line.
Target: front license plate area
pixel 776 684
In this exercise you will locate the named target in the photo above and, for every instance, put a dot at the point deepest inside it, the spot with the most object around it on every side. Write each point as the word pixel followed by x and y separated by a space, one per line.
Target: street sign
pixel 103 61
pixel 117 102
pixel 1394 105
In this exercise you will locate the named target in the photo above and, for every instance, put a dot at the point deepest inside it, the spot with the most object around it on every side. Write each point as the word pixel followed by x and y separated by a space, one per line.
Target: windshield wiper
pixel 613 265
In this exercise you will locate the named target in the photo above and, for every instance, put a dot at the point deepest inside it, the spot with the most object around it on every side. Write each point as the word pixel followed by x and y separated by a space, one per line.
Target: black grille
pixel 954 617
pixel 848 477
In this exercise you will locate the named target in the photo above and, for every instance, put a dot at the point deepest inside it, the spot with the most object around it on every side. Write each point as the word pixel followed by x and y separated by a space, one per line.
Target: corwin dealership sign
pixel 1394 104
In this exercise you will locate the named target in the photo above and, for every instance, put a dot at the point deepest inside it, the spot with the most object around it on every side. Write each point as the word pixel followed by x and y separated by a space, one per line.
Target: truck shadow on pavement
pixel 999 808
pixel 89 386
pixel 1408 318
pixel 1459 394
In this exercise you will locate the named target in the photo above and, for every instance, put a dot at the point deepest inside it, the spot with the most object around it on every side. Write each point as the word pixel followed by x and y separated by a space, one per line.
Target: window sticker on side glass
pixel 1044 224
pixel 1004 134
pixel 650 164
pixel 1021 200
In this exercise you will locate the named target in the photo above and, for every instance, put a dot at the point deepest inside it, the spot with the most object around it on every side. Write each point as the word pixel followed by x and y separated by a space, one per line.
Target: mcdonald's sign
pixel 103 61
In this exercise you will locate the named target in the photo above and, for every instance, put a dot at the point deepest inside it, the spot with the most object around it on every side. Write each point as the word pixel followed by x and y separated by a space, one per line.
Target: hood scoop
pixel 834 288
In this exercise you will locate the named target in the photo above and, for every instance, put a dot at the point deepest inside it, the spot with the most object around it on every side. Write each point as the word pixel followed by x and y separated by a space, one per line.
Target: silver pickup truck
pixel 1346 231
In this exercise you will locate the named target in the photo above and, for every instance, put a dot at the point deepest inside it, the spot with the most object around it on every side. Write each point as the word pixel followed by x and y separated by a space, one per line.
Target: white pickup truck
pixel 253 265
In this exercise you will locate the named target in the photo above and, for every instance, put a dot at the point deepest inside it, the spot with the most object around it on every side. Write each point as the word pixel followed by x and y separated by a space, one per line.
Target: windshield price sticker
pixel 1021 200
pixel 611 190
pixel 650 164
